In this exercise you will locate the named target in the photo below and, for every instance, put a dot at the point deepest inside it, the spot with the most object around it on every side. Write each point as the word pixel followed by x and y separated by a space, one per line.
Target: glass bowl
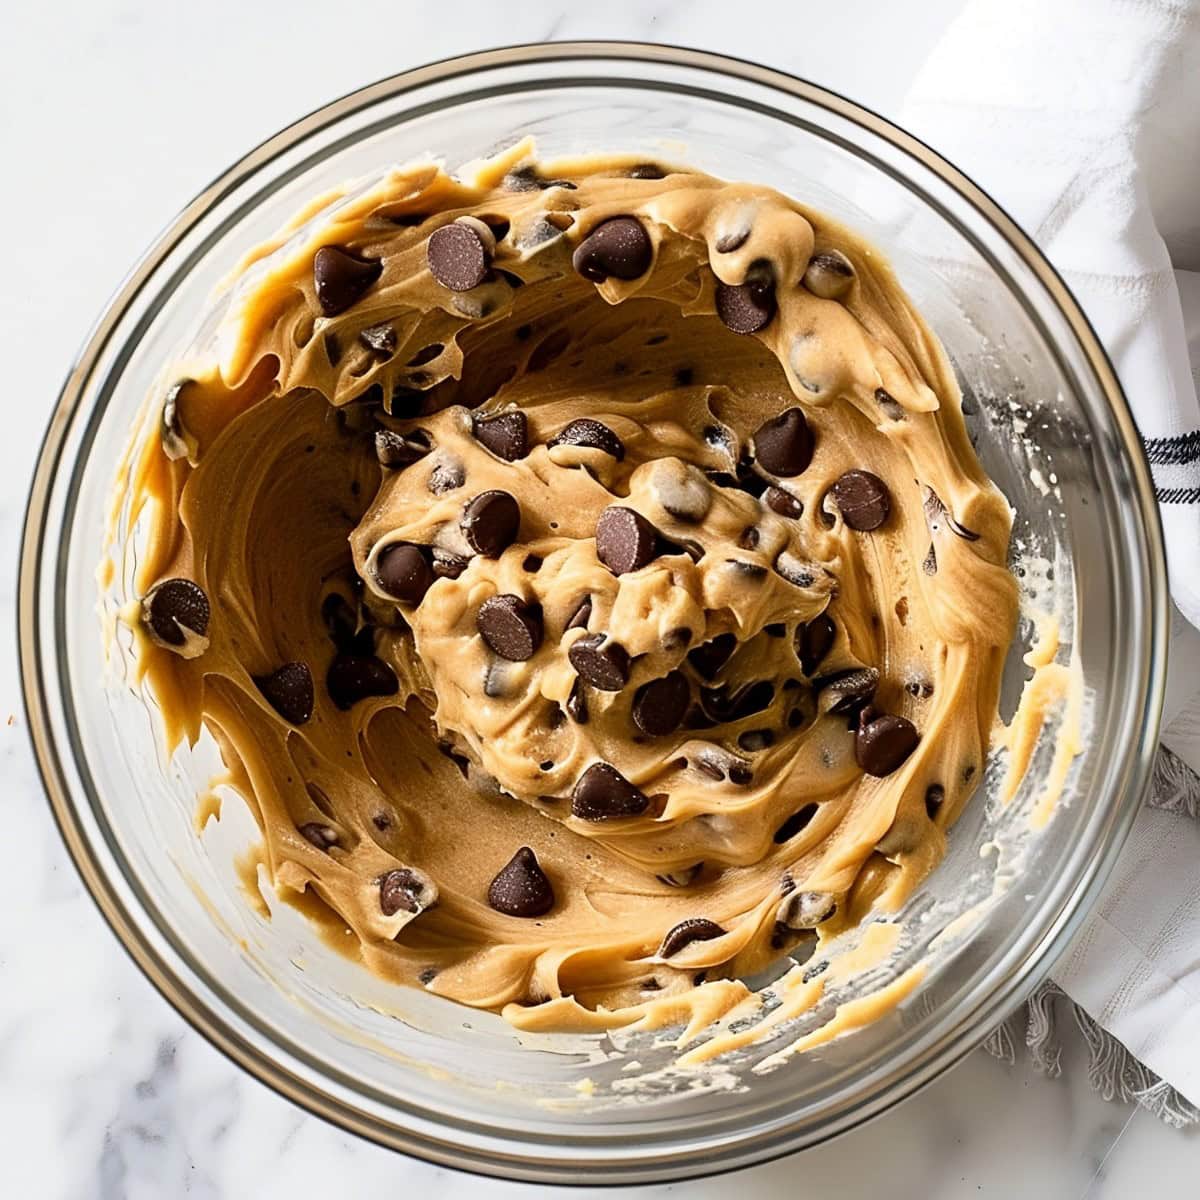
pixel 460 1087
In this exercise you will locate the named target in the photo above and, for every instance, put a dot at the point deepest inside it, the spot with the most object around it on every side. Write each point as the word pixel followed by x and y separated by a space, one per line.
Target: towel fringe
pixel 1175 787
pixel 1112 1071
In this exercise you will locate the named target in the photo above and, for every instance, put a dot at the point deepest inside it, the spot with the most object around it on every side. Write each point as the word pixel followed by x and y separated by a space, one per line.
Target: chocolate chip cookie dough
pixel 586 575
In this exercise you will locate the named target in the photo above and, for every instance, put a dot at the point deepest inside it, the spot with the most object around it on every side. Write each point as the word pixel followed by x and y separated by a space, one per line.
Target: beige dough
pixel 268 494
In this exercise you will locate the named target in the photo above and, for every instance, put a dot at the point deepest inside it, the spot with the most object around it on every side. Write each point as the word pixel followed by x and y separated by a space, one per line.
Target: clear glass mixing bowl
pixel 457 1086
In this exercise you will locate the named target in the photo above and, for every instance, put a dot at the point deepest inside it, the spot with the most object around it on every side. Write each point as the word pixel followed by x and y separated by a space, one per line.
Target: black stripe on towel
pixel 1181 495
pixel 1168 452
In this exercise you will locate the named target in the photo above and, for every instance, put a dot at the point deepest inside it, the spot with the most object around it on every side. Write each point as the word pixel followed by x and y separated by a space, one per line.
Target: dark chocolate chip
pixel 829 275
pixel 506 435
pixel 174 608
pixel 341 278
pixel 532 563
pixel 659 706
pixel 727 243
pixel 749 539
pixel 602 793
pixel 647 171
pixel 784 503
pixel 864 500
pixel 921 689
pixel 353 677
pixel 577 706
pixel 592 434
pixel 745 307
pixel 814 641
pixel 521 888
pixel 289 691
pixel 723 704
pixel 490 523
pixel 721 438
pixel 458 257
pixel 380 339
pixel 512 628
pixel 446 477
pixel 694 929
pixel 583 614
pixel 882 743
pixel 427 975
pixel 846 691
pixel 402 570
pixel 400 889
pixel 784 445
pixel 935 795
pixel 797 821
pixel 625 540
pixel 619 248
pixel 320 835
pixel 398 450
pixel 447 565
pixel 892 408
pixel 601 662
pixel 708 659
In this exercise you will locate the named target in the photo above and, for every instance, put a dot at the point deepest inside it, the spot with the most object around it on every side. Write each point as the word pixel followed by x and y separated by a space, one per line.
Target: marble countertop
pixel 113 113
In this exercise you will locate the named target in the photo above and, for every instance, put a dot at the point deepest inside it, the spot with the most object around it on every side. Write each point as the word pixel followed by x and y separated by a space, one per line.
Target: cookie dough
pixel 586 574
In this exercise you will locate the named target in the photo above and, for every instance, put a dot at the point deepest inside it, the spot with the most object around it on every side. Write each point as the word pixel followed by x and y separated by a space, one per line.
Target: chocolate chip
pixel 846 691
pixel 727 243
pixel 445 477
pixel 892 408
pixel 921 689
pixel 583 614
pixel 795 570
pixel 863 498
pixel 490 523
pixel 577 706
pixel 708 659
pixel 174 609
pixel 447 565
pixel 458 256
pixel 506 435
pixel 797 821
pixel 353 677
pixel 625 540
pixel 829 275
pixel 402 570
pixel 935 795
pixel 512 628
pixel 659 706
pixel 171 432
pixel 521 888
pixel 397 450
pixel 784 445
pixel 342 277
pixel 380 339
pixel 882 743
pixel 618 248
pixel 723 704
pixel 784 503
pixel 289 691
pixel 592 434
pixel 321 836
pixel 427 975
pixel 814 641
pixel 401 889
pixel 602 793
pixel 694 929
pixel 806 910
pixel 601 662
pixel 532 563
pixel 745 307
pixel 647 171
pixel 749 538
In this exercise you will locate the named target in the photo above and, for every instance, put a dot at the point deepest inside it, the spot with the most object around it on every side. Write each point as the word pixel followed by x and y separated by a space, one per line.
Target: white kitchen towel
pixel 1082 118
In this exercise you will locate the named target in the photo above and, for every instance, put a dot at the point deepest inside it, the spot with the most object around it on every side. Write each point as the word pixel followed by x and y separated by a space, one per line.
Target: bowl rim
pixel 531 1162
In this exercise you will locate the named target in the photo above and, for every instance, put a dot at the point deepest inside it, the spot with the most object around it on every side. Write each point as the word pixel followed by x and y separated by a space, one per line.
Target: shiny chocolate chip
pixel 829 275
pixel 935 797
pixel 342 278
pixel 619 248
pixel 402 570
pixel 521 888
pixel 882 743
pixel 625 540
pixel 511 627
pixel 659 706
pixel 864 500
pixel 490 523
pixel 506 435
pixel 447 564
pixel 582 615
pixel 446 476
pixel 458 256
pixel 398 450
pixel 320 835
pixel 694 929
pixel 591 434
pixel 745 307
pixel 602 793
pixel 289 691
pixel 177 613
pixel 600 661
pixel 892 408
pixel 814 640
pixel 784 445
pixel 846 691
pixel 401 890
pixel 577 705
pixel 783 503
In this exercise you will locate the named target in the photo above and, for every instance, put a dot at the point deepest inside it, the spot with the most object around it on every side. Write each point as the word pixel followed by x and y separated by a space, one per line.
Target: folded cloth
pixel 1082 118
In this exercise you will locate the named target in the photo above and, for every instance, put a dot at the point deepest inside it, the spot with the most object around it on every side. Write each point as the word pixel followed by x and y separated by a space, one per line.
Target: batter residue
pixel 587 576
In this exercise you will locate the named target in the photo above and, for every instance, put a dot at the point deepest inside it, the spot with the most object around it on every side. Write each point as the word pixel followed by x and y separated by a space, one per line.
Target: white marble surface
pixel 112 114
